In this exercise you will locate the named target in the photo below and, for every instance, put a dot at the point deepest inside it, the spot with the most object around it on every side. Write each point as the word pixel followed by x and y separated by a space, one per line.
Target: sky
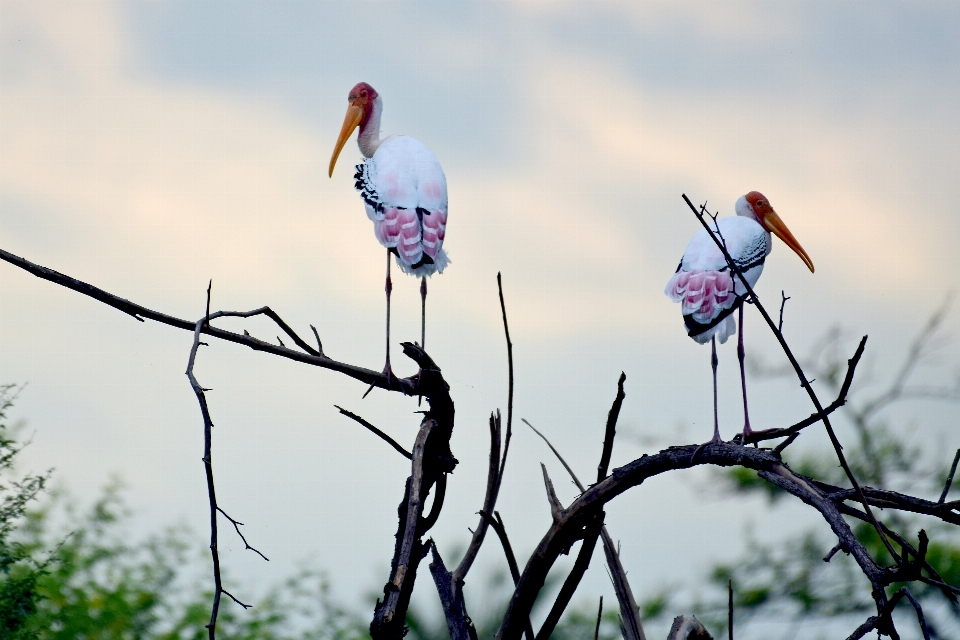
pixel 150 147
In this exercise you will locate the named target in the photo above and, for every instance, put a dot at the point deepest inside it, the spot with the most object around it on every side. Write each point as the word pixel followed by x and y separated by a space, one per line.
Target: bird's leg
pixel 388 288
pixel 716 424
pixel 713 364
pixel 423 312
pixel 387 371
pixel 423 324
pixel 743 380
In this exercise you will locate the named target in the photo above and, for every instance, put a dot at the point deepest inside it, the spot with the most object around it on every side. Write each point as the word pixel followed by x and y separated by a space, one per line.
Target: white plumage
pixel 703 284
pixel 404 192
pixel 708 290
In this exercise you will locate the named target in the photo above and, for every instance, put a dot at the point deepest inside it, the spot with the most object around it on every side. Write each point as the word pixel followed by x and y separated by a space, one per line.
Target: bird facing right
pixel 709 293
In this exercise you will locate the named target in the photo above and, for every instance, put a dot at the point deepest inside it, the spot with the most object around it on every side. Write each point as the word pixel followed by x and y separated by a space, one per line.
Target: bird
pixel 709 293
pixel 404 192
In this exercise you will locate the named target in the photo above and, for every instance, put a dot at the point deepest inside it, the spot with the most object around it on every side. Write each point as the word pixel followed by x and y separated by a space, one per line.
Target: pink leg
pixel 423 324
pixel 389 289
pixel 387 371
pixel 423 313
pixel 713 364
pixel 743 379
pixel 716 424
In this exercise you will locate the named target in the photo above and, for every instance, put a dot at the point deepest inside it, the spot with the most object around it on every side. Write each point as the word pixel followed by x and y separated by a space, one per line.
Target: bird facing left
pixel 404 192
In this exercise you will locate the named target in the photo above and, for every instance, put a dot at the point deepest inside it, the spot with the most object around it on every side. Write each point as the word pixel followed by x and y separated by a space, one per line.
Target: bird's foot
pixel 714 440
pixel 388 372
pixel 747 432
pixel 417 385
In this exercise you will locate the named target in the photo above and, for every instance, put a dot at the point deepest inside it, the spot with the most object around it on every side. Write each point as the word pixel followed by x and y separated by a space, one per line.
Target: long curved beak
pixel 775 225
pixel 350 122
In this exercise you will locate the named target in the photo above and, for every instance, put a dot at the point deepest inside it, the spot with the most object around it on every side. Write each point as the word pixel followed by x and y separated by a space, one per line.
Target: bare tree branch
pixel 407 386
pixel 611 429
pixel 498 527
pixel 580 565
pixel 451 599
pixel 953 471
pixel 688 628
pixel 730 582
pixel 396 594
pixel 556 508
pixel 497 464
pixel 577 515
pixel 770 434
pixel 200 392
pixel 629 612
pixel 236 526
pixel 390 441
pixel 596 631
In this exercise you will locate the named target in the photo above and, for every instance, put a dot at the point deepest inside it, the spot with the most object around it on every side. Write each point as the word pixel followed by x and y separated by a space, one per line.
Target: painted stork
pixel 710 293
pixel 405 194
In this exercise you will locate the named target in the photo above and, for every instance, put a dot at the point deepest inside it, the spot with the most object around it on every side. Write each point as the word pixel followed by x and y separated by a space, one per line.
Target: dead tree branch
pixel 568 528
pixel 390 441
pixel 629 611
pixel 309 355
pixel 200 392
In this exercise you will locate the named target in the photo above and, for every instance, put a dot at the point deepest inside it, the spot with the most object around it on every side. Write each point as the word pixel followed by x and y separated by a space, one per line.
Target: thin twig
pixel 596 631
pixel 200 392
pixel 576 480
pixel 803 380
pixel 771 434
pixel 920 619
pixel 489 502
pixel 509 433
pixel 837 547
pixel 317 336
pixel 629 613
pixel 496 523
pixel 506 332
pixel 953 470
pixel 783 303
pixel 498 463
pixel 556 508
pixel 611 429
pixel 390 441
pixel 730 603
pixel 234 598
pixel 236 525
pixel 573 579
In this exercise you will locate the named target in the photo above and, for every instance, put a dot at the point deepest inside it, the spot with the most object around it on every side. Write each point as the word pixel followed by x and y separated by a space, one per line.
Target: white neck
pixel 745 209
pixel 369 137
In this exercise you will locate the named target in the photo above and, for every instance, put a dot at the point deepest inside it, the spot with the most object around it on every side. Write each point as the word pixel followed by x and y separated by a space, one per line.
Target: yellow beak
pixel 350 122
pixel 775 225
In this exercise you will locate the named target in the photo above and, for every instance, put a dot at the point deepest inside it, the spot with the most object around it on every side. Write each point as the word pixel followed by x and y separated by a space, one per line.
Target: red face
pixel 759 203
pixel 362 94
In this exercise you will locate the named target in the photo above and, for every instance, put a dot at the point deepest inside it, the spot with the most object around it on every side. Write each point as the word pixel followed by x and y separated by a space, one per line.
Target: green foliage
pixel 66 575
pixel 99 586
pixel 19 571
